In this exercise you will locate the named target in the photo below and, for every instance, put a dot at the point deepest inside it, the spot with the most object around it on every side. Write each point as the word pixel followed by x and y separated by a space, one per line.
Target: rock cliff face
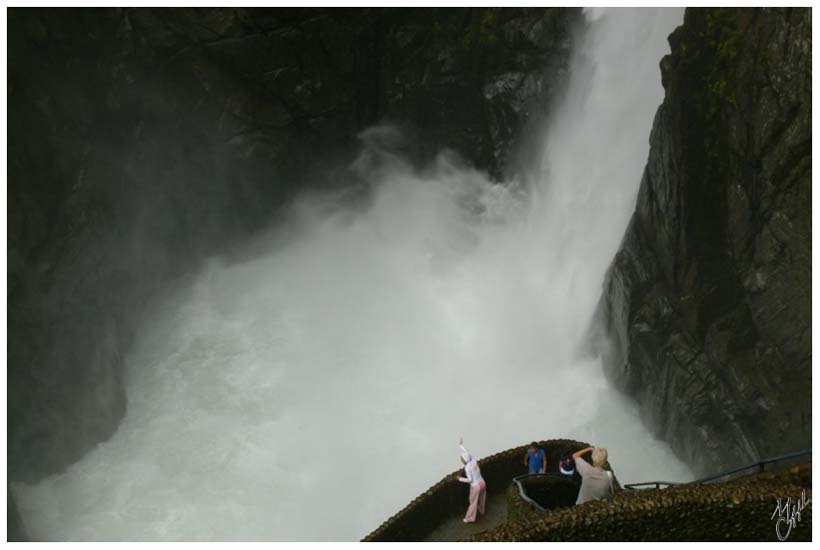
pixel 143 140
pixel 707 304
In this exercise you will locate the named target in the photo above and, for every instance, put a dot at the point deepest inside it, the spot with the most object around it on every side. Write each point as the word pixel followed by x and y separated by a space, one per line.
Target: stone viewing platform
pixel 436 514
pixel 541 507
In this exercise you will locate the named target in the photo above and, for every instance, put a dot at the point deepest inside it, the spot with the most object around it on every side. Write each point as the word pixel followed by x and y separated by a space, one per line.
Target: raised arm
pixel 577 454
pixel 467 479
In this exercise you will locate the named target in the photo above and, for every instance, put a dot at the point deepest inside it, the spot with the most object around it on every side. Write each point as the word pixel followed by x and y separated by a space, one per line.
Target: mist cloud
pixel 311 391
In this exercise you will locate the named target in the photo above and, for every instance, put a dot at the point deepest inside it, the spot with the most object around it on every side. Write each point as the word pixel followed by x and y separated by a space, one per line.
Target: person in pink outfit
pixel 478 489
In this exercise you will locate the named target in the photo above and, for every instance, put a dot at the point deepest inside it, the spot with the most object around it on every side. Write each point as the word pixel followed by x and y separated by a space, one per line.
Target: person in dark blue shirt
pixel 535 459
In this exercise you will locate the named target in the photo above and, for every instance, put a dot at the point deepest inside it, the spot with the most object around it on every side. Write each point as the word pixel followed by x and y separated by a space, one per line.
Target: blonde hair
pixel 599 456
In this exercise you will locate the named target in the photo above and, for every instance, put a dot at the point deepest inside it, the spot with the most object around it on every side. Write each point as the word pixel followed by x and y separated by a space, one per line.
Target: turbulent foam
pixel 310 392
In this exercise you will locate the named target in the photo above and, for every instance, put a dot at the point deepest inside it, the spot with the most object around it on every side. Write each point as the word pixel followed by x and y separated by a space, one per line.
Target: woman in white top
pixel 478 489
pixel 595 481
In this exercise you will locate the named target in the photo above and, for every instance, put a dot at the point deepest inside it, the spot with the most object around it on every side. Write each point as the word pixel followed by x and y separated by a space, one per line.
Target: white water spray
pixel 311 392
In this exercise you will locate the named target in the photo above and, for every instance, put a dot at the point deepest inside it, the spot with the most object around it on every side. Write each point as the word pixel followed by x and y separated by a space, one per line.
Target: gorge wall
pixel 707 304
pixel 141 141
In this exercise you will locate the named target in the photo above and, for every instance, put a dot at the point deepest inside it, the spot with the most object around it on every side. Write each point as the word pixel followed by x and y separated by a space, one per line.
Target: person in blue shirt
pixel 535 459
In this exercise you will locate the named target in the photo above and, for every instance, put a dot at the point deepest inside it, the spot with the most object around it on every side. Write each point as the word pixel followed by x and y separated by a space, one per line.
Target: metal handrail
pixel 656 484
pixel 523 494
pixel 761 465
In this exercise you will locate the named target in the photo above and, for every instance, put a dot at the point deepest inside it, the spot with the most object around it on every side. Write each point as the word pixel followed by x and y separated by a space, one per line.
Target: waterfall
pixel 312 388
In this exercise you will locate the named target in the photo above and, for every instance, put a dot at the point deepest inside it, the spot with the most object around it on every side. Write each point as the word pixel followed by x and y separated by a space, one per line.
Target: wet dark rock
pixel 707 303
pixel 142 141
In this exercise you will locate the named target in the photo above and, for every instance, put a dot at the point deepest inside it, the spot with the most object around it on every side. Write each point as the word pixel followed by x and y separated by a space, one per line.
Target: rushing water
pixel 311 391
